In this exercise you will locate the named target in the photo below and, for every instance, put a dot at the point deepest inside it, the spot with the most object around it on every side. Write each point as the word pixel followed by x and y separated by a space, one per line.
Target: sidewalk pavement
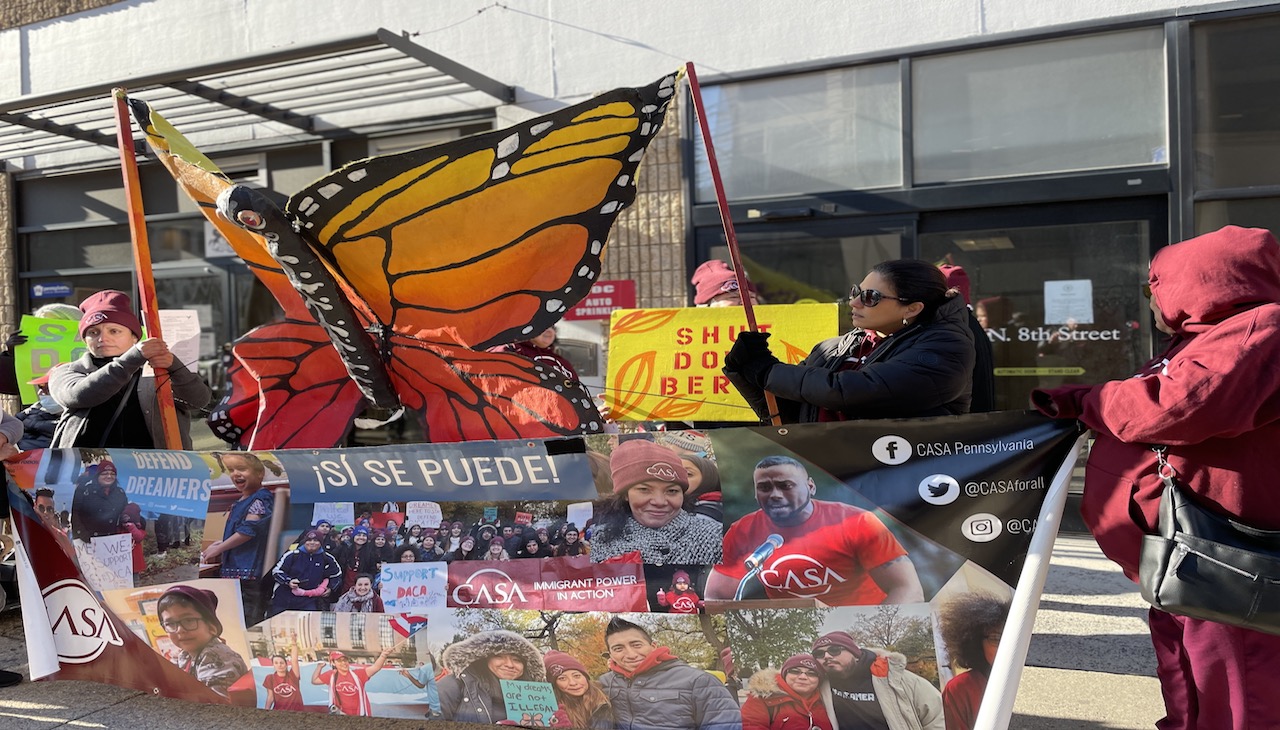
pixel 1090 665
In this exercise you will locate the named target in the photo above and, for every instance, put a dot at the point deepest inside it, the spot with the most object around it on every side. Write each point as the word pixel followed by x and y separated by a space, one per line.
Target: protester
pixel 716 285
pixel 108 401
pixel 464 551
pixel 284 684
pixel 136 525
pixel 10 434
pixel 189 616
pixel 542 350
pixel 847 556
pixel 581 699
pixel 680 597
pixel 786 699
pixel 704 497
pixel 911 354
pixel 471 691
pixel 531 547
pixel 8 365
pixel 640 671
pixel 646 512
pixel 328 542
pixel 983 399
pixel 406 554
pixel 423 677
pixel 454 538
pixel 98 503
pixel 871 688
pixel 303 577
pixel 384 544
pixel 347 694
pixel 971 625
pixel 40 419
pixel 429 551
pixel 1210 399
pixel 361 556
pixel 496 551
pixel 361 598
pixel 571 543
pixel 414 536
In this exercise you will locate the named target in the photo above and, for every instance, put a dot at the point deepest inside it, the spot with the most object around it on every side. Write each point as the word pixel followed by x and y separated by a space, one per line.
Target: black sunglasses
pixel 870 297
pixel 826 652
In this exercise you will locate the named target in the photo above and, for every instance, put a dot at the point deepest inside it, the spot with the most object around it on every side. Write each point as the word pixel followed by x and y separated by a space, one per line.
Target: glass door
pixel 1058 288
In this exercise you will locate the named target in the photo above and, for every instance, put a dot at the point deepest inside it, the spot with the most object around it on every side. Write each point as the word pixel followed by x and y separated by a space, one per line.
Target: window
pixel 1055 106
pixel 1237 113
pixel 329 630
pixel 816 132
pixel 357 630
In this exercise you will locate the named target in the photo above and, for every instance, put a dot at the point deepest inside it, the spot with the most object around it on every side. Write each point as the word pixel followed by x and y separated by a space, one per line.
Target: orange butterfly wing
pixel 494 236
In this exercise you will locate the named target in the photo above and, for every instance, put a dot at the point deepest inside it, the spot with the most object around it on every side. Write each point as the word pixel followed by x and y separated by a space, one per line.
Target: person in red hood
pixel 786 699
pixel 1211 399
pixel 640 671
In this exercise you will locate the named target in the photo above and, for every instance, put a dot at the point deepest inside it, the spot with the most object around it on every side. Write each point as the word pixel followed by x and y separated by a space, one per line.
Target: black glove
pixel 15 339
pixel 751 358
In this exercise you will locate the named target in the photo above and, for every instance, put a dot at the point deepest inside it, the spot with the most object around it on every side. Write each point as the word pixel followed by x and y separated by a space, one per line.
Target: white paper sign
pixel 1070 299
pixel 109 562
pixel 181 330
pixel 426 514
pixel 579 514
pixel 408 587
pixel 339 514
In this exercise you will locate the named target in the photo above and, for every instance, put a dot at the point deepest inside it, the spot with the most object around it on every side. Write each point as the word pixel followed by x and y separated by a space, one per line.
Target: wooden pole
pixel 726 220
pixel 142 261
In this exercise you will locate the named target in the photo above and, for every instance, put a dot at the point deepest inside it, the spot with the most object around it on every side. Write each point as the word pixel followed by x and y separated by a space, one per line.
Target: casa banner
pixel 664 364
pixel 396 581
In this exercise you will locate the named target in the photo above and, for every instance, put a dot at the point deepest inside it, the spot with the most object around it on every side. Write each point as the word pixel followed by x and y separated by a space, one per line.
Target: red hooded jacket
pixel 1212 397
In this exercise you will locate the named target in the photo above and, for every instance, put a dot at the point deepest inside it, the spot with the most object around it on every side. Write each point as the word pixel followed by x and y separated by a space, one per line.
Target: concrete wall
pixel 549 49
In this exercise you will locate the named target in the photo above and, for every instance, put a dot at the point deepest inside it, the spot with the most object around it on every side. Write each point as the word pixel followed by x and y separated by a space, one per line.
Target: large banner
pixel 308 581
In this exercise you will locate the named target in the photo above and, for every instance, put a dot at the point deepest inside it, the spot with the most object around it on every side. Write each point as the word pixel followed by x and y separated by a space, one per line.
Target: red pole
pixel 142 260
pixel 726 220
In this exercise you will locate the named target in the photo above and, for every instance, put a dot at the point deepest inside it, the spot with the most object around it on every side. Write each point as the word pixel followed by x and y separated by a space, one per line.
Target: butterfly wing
pixel 495 235
pixel 463 394
pixel 278 374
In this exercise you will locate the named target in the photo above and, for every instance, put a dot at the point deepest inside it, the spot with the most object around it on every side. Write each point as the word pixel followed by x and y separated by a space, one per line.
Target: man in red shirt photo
pixel 835 553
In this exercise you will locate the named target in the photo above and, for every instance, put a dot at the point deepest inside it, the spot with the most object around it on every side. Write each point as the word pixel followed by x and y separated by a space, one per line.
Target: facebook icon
pixel 891 450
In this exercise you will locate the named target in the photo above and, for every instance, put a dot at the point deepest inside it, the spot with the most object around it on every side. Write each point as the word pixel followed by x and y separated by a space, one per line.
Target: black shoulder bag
pixel 1207 566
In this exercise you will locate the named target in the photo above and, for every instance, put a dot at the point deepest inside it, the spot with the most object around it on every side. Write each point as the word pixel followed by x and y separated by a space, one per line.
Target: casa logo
pixel 800 576
pixel 488 588
pixel 684 604
pixel 662 471
pixel 82 629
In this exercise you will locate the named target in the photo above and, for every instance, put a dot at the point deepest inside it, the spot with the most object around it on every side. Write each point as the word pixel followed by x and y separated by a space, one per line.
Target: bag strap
pixel 128 391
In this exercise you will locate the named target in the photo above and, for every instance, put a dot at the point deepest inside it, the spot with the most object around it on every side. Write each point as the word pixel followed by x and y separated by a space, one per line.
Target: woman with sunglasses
pixel 786 699
pixel 911 354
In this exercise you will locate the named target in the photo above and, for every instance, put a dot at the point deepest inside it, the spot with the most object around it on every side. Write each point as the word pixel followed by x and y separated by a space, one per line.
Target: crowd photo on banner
pixel 816 520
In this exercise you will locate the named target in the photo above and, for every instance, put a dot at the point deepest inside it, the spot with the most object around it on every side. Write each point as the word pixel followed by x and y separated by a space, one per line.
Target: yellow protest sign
pixel 664 364
pixel 49 342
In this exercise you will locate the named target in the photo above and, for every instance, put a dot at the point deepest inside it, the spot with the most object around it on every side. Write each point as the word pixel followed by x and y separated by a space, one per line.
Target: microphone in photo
pixel 762 553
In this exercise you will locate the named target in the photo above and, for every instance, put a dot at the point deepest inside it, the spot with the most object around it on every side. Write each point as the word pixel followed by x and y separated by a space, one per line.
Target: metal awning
pixel 328 90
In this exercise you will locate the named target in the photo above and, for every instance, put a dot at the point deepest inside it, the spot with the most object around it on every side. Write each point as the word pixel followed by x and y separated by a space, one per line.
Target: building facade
pixel 1050 148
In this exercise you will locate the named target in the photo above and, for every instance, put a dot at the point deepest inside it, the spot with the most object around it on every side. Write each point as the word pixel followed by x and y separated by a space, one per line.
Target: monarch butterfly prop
pixel 395 274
